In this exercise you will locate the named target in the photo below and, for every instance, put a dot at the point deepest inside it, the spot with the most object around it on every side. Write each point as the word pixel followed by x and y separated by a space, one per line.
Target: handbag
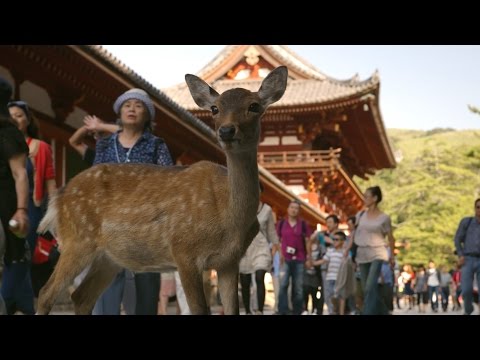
pixel 46 250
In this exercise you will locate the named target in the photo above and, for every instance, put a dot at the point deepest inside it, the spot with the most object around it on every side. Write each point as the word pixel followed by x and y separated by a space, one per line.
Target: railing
pixel 315 159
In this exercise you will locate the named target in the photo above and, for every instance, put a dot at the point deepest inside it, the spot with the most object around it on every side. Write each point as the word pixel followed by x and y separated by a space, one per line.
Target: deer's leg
pixel 192 282
pixel 71 263
pixel 101 274
pixel 228 287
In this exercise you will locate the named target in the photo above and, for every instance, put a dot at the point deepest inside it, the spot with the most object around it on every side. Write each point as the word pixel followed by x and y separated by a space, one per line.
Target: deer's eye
pixel 254 108
pixel 214 110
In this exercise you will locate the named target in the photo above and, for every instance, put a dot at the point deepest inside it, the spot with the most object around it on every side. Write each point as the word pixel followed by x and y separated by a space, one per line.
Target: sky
pixel 421 86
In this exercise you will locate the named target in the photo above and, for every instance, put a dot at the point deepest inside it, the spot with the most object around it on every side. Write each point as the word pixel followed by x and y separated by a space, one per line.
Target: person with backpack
pixel 467 244
pixel 293 233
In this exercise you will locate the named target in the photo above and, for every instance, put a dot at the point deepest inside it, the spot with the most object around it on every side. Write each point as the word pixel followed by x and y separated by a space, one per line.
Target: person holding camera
pixel 293 233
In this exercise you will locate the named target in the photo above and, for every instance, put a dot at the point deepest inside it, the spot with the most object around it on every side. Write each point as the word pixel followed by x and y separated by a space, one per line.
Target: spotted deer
pixel 149 218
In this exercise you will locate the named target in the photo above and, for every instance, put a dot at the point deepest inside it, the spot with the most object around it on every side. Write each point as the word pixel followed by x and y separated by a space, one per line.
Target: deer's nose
pixel 227 132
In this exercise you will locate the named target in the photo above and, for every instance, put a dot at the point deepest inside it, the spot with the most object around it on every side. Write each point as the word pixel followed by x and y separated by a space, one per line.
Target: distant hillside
pixel 432 188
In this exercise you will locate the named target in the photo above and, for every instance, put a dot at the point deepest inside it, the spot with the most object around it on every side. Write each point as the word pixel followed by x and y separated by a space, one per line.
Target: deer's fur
pixel 151 218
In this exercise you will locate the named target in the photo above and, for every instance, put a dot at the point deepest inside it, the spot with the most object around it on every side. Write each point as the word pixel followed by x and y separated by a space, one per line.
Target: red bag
pixel 45 244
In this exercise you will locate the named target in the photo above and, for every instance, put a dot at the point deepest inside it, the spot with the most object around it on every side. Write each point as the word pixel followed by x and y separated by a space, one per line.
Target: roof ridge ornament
pixel 355 78
pixel 252 56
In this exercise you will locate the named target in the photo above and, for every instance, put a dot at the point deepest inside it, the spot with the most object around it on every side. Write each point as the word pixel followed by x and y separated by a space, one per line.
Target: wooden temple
pixel 62 84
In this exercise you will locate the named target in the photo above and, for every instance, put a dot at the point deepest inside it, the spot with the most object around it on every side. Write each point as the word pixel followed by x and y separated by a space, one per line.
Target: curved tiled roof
pixel 217 60
pixel 281 52
pixel 299 92
pixel 316 89
pixel 109 60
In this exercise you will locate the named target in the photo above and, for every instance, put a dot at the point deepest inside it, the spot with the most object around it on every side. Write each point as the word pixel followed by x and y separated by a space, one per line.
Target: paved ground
pixel 269 303
pixel 217 310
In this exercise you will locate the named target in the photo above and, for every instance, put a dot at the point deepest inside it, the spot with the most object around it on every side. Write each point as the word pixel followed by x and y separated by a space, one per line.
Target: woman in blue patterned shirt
pixel 133 143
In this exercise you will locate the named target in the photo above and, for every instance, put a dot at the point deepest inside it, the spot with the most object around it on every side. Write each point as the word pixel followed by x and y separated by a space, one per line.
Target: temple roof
pixel 280 52
pixel 306 85
pixel 299 92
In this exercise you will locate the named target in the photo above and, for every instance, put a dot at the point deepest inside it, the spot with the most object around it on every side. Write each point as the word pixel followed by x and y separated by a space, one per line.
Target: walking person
pixel 421 289
pixel 258 257
pixel 374 226
pixel 433 282
pixel 293 233
pixel 445 282
pixel 325 241
pixel 334 258
pixel 467 244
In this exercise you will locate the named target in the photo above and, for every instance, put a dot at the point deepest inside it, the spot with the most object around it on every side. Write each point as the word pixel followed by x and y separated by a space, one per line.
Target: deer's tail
pixel 49 221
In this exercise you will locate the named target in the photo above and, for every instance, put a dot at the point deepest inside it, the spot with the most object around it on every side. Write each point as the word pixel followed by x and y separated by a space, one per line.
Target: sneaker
pixel 305 312
pixel 258 312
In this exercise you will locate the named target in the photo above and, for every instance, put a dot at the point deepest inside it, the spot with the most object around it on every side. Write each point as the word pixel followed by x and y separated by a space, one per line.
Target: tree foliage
pixel 432 188
pixel 474 109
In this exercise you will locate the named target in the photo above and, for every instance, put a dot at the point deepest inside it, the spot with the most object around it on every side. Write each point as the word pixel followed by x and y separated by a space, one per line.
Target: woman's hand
pixel 93 123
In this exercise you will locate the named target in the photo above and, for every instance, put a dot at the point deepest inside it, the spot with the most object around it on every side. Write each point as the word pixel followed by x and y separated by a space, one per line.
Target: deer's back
pixel 131 211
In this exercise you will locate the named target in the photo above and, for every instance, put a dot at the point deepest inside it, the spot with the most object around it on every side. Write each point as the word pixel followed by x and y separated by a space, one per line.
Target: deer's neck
pixel 243 187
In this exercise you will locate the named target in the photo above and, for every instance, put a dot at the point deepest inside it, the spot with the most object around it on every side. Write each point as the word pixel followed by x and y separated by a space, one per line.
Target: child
pixel 333 258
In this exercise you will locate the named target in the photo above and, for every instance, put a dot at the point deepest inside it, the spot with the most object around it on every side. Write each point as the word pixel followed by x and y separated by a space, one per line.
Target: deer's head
pixel 237 112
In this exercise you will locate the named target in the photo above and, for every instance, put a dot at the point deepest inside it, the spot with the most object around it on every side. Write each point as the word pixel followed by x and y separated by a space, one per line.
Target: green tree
pixel 474 109
pixel 432 188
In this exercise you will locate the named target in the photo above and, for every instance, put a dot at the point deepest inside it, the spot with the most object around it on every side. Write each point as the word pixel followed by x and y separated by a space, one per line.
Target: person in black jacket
pixel 16 287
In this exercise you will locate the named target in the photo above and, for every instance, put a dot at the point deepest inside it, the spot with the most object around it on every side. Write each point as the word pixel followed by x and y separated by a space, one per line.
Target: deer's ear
pixel 274 85
pixel 202 93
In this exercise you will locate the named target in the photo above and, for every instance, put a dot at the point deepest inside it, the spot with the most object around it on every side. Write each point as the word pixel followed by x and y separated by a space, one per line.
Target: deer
pixel 149 218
